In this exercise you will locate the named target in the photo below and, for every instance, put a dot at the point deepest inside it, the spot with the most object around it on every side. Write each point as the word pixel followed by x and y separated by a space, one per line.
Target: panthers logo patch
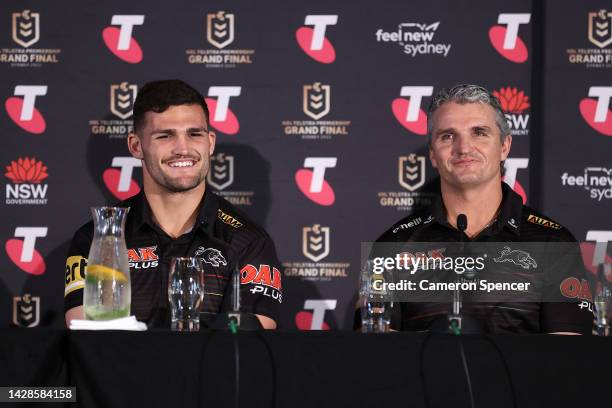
pixel 211 256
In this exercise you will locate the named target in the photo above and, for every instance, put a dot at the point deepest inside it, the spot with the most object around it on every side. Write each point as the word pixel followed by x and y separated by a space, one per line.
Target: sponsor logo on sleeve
pixel 228 219
pixel 534 219
pixel 265 280
pixel 75 274
pixel 143 258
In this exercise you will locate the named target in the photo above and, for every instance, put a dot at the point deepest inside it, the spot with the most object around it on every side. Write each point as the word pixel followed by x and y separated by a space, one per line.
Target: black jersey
pixel 222 237
pixel 514 223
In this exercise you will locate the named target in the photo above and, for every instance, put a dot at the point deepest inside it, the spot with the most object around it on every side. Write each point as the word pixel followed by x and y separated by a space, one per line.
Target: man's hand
pixel 74 313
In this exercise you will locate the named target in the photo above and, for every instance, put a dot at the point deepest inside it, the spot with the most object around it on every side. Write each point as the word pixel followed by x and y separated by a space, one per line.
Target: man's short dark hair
pixel 157 96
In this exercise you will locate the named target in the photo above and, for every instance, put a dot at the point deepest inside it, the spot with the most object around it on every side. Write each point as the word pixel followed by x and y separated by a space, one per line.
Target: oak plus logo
pixel 26 186
pixel 313 41
pixel 119 40
pixel 598 30
pixel 511 168
pixel 221 116
pixel 118 179
pixel 407 109
pixel 595 256
pixel 220 33
pixel 312 183
pixel 26 32
pixel 316 104
pixel 221 176
pixel 263 280
pixel 505 36
pixel 23 111
pixel 23 252
pixel 411 175
pixel 596 112
pixel 143 258
pixel 26 310
pixel 514 103
pixel 121 101
pixel 313 315
pixel 597 181
pixel 415 39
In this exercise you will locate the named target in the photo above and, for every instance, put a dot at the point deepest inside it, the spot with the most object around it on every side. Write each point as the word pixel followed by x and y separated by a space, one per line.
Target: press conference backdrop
pixel 319 109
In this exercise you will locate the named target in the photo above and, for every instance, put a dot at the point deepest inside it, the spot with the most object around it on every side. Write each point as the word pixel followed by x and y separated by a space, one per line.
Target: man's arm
pixel 74 313
pixel 266 322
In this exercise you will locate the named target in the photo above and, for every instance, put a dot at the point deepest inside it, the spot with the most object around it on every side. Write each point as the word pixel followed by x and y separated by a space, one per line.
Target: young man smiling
pixel 176 215
pixel 469 140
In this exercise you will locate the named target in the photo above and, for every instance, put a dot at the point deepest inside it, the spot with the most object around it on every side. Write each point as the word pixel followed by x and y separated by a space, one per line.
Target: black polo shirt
pixel 514 223
pixel 222 237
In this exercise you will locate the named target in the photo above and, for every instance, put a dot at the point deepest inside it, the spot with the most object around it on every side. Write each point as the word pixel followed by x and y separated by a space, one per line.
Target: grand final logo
pixel 415 39
pixel 221 176
pixel 220 33
pixel 316 246
pixel 122 98
pixel 121 101
pixel 411 172
pixel 315 242
pixel 411 176
pixel 23 111
pixel 26 187
pixel 408 112
pixel 118 179
pixel 120 41
pixel 23 252
pixel 25 32
pixel 316 101
pixel 598 26
pixel 316 104
pixel 505 39
pixel 26 310
pixel 220 29
pixel 26 28
pixel 313 41
pixel 312 183
pixel 596 112
pixel 514 103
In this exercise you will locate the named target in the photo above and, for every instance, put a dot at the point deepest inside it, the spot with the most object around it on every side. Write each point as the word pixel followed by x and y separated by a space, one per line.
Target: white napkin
pixel 125 323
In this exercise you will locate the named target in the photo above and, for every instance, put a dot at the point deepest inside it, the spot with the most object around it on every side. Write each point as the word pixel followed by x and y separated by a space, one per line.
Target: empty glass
pixel 185 293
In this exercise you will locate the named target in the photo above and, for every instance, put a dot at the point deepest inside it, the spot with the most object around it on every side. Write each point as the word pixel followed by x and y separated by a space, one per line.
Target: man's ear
pixel 212 140
pixel 505 148
pixel 134 146
pixel 434 163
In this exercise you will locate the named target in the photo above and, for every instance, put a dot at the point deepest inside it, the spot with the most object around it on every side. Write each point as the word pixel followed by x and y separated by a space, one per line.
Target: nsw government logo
pixel 26 186
pixel 122 98
pixel 26 32
pixel 596 180
pixel 316 244
pixel 411 177
pixel 220 33
pixel 415 39
pixel 514 103
pixel 221 176
pixel 316 104
pixel 598 27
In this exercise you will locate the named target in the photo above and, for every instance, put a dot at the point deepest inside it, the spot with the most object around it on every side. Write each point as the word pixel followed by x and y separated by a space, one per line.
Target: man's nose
pixel 462 144
pixel 181 144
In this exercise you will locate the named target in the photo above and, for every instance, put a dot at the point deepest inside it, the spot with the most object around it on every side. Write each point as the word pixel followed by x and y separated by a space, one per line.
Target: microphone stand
pixel 235 319
pixel 455 318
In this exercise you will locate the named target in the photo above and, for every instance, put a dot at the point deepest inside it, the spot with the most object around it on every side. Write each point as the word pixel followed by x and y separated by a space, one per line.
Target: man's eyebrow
pixel 197 129
pixel 481 127
pixel 170 131
pixel 173 131
pixel 445 130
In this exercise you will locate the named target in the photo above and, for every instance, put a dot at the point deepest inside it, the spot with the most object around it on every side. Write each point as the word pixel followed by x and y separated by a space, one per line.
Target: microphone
pixel 462 223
